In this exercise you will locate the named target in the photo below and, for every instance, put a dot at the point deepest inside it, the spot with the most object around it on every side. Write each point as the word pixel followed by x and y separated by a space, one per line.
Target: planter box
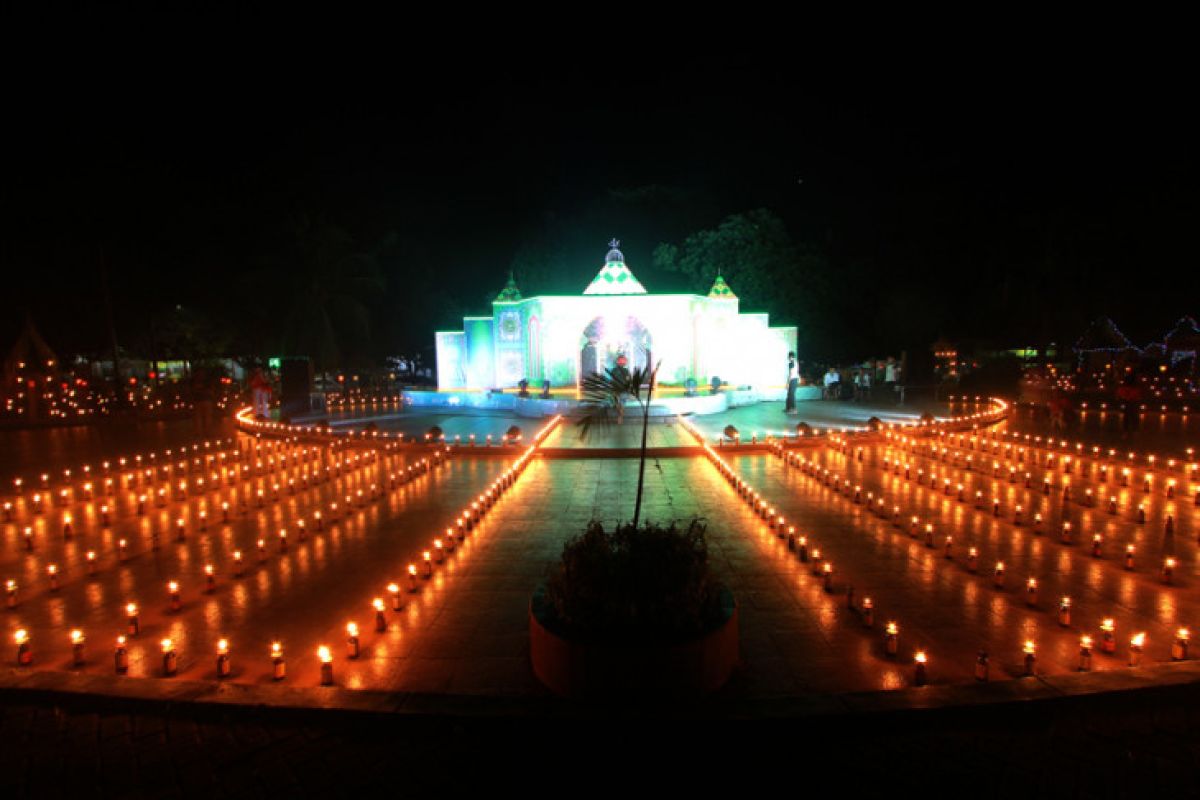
pixel 580 669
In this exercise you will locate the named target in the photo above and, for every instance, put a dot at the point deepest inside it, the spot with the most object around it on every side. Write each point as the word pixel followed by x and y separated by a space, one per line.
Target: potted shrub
pixel 634 610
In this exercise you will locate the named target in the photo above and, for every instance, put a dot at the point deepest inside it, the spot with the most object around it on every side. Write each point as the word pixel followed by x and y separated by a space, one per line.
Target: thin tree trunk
pixel 637 505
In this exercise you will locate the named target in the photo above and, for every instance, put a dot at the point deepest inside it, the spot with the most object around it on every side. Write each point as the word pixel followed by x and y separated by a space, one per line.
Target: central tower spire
pixel 614 277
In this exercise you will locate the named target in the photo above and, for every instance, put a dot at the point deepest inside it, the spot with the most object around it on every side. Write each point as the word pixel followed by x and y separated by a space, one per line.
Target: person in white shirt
pixel 793 379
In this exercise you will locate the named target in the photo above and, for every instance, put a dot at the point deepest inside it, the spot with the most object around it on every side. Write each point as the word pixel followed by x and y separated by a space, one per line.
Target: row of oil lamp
pixel 957 455
pixel 1031 586
pixel 820 567
pixel 998 410
pixel 879 506
pixel 1087 499
pixel 1153 460
pixel 396 480
pixel 151 471
pixel 953 457
pixel 334 471
pixel 442 545
pixel 183 491
pixel 467 520
pixel 137 460
pixel 162 497
pixel 1058 453
pixel 246 421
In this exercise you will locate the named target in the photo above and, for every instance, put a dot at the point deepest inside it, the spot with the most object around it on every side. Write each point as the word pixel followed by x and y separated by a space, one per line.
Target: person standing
pixel 793 379
pixel 260 389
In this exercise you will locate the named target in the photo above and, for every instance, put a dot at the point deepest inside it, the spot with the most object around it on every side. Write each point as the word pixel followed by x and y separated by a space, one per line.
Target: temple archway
pixel 607 338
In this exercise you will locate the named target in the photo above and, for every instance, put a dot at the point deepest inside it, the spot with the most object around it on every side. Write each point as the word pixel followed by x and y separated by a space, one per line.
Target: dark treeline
pixel 876 220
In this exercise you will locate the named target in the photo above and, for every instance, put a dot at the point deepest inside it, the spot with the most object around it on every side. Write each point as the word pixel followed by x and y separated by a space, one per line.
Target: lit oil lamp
pixel 1030 658
pixel 816 561
pixel 223 667
pixel 24 649
pixel 1085 653
pixel 1137 643
pixel 1179 649
pixel 380 616
pixel 121 657
pixel 170 660
pixel 278 665
pixel 891 641
pixel 352 647
pixel 1108 640
pixel 1064 611
pixel 920 678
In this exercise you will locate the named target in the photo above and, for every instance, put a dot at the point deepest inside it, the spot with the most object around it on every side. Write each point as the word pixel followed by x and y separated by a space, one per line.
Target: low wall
pixel 534 407
pixel 580 669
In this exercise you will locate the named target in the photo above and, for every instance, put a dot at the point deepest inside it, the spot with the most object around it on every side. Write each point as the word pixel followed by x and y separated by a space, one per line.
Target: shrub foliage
pixel 636 583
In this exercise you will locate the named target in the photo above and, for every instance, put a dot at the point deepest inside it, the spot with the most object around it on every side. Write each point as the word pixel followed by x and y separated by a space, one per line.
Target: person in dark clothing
pixel 793 380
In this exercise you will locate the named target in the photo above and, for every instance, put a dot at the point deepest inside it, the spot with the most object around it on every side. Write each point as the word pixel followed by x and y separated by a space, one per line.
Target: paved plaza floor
pixel 462 639
pixel 465 632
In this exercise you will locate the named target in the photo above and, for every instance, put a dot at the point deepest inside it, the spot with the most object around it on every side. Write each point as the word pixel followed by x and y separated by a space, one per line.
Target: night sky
pixel 1002 204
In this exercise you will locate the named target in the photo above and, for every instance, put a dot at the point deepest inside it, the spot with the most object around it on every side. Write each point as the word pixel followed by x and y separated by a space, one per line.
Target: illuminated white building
pixel 561 338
